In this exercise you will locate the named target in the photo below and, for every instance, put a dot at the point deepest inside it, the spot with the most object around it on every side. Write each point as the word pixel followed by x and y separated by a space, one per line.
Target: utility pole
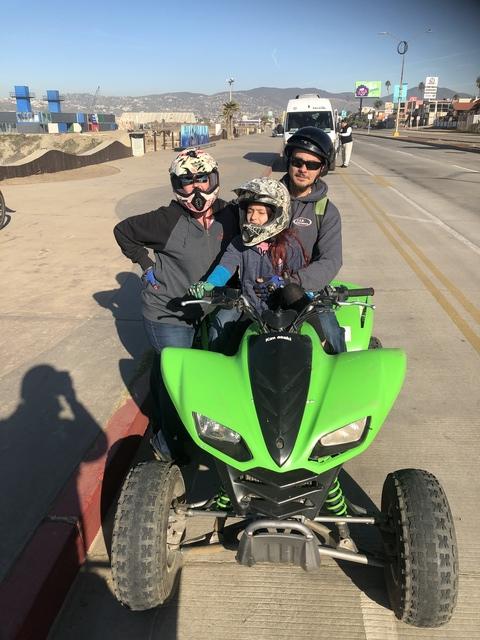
pixel 230 81
pixel 402 49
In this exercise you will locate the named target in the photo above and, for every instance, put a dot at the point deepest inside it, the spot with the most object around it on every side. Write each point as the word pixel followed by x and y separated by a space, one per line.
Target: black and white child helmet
pixel 274 195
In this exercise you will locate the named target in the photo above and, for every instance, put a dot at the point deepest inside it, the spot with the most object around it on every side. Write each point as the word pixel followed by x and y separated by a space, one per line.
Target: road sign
pixel 400 95
pixel 431 84
pixel 370 116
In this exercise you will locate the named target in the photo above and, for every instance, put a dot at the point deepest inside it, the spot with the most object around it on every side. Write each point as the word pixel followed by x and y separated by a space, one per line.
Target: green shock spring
pixel 222 501
pixel 335 501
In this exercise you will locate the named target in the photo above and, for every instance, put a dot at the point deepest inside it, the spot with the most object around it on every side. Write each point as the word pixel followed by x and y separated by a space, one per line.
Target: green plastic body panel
pixel 356 320
pixel 343 388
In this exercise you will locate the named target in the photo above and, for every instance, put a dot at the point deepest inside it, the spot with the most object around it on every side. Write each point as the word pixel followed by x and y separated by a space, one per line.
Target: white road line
pixel 440 223
pixel 434 218
pixel 405 153
pixel 422 159
pixel 362 168
pixel 465 168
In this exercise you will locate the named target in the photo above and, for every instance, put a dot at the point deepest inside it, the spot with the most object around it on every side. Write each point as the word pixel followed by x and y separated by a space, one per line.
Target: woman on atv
pixel 186 237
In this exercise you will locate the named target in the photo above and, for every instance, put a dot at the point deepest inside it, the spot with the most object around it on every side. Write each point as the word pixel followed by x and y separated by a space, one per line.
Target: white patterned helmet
pixel 269 192
pixel 189 163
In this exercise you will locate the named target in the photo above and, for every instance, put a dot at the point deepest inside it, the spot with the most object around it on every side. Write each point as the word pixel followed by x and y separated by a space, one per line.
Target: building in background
pixel 53 120
pixel 131 120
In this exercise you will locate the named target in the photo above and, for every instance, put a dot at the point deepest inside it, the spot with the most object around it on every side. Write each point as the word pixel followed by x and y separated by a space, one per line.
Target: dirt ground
pixel 15 146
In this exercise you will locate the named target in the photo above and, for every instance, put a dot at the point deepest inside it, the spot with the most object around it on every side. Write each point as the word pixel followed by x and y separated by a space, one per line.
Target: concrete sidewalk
pixel 73 344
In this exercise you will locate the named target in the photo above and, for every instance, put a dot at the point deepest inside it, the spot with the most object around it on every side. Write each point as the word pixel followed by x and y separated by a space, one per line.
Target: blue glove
pixel 149 278
pixel 264 289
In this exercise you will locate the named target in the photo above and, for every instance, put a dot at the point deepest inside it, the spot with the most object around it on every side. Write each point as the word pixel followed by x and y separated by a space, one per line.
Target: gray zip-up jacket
pixel 321 237
pixel 184 251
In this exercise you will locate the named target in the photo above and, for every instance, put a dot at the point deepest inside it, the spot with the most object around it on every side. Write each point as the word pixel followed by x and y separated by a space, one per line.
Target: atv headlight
pixel 341 439
pixel 208 428
pixel 349 433
pixel 221 437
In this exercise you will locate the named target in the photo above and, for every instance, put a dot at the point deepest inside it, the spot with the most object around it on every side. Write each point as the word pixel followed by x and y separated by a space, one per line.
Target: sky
pixel 154 46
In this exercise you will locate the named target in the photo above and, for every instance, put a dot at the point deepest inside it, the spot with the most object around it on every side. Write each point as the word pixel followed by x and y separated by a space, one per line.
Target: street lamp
pixel 402 48
pixel 230 81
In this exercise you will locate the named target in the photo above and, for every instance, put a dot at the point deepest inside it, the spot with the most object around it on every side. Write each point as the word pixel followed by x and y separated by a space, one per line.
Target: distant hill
pixel 253 102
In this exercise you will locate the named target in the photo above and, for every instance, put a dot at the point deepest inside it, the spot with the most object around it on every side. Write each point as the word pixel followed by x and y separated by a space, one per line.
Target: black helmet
pixel 313 140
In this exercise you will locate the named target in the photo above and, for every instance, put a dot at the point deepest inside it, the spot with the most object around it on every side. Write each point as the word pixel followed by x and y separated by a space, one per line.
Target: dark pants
pixel 161 335
pixel 227 329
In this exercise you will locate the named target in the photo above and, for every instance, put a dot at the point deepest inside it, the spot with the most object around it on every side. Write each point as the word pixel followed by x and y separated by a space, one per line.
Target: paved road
pixel 419 248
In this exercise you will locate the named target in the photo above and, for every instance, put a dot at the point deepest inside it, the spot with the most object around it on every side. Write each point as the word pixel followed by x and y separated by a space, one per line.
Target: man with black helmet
pixel 316 220
pixel 187 237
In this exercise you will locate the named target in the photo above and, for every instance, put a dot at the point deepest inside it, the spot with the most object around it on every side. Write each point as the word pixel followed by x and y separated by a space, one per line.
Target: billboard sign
pixel 431 85
pixel 400 95
pixel 368 88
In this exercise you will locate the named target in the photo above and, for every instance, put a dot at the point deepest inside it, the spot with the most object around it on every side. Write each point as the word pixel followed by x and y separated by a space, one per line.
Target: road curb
pixel 34 590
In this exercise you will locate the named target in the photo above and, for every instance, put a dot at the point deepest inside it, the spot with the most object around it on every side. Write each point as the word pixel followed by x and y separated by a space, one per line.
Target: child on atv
pixel 267 255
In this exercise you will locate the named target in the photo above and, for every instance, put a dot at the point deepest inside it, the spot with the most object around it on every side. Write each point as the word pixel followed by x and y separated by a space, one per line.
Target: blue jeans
pixel 226 330
pixel 223 327
pixel 161 335
pixel 334 333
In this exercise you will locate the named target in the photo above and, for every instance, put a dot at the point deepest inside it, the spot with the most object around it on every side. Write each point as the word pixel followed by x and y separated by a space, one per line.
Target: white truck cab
pixel 309 110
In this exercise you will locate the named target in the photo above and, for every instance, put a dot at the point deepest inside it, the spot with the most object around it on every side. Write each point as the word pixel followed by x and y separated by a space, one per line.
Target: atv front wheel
pixel 146 554
pixel 421 569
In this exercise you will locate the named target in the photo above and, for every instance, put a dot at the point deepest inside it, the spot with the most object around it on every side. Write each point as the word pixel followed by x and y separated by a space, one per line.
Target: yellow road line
pixel 462 299
pixel 382 220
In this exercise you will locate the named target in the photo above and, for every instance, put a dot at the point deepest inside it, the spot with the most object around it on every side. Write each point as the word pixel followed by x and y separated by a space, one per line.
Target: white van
pixel 309 110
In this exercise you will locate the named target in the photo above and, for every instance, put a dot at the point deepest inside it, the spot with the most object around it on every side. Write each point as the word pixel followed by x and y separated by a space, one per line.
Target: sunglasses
pixel 311 165
pixel 199 178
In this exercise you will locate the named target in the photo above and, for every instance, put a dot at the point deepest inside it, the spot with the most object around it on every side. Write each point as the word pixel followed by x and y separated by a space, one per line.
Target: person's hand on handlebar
pixel 263 288
pixel 148 277
pixel 199 289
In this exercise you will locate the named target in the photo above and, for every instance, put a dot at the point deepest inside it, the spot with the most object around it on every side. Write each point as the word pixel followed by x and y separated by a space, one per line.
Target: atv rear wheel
pixel 421 569
pixel 375 343
pixel 147 533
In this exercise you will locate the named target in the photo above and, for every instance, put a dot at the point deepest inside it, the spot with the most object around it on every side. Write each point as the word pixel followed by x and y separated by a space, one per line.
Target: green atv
pixel 279 419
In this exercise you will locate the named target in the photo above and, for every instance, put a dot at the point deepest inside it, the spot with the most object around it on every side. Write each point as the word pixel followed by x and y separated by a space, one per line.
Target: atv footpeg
pixel 277 541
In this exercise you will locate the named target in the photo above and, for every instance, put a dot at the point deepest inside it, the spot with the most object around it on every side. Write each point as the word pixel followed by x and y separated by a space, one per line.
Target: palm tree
pixel 388 84
pixel 421 87
pixel 477 82
pixel 229 110
pixel 455 97
pixel 377 104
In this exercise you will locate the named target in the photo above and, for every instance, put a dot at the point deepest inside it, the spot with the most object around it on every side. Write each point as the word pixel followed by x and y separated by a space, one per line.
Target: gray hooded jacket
pixel 320 235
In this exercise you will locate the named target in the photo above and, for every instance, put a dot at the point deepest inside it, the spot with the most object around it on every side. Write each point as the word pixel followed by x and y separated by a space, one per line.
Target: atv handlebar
pixel 328 299
pixel 357 293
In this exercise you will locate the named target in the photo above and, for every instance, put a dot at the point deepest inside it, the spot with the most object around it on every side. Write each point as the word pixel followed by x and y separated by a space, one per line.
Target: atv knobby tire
pixel 421 569
pixel 146 554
